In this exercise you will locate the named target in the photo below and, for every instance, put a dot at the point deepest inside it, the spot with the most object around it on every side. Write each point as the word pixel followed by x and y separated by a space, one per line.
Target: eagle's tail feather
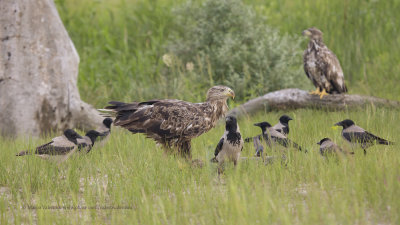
pixel 344 88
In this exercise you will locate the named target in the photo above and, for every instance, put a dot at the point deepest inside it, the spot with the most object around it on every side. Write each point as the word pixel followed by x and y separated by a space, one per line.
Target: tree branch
pixel 287 99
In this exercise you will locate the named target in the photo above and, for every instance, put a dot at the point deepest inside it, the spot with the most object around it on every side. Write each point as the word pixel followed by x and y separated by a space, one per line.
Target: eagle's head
pixel 312 33
pixel 219 93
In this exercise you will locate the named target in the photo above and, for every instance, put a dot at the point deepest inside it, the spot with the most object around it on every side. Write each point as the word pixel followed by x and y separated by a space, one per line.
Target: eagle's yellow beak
pixel 306 33
pixel 230 93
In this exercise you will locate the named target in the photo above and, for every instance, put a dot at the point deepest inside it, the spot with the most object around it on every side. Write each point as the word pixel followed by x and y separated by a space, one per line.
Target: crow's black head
pixel 92 134
pixel 285 119
pixel 107 122
pixel 231 123
pixel 323 140
pixel 345 123
pixel 263 125
pixel 71 135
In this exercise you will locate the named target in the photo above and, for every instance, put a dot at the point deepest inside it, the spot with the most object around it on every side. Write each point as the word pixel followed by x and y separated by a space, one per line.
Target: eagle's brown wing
pixel 330 66
pixel 164 119
pixel 309 67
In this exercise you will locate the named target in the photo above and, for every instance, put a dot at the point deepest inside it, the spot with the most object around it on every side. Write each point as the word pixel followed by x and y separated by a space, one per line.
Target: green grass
pixel 120 44
pixel 130 171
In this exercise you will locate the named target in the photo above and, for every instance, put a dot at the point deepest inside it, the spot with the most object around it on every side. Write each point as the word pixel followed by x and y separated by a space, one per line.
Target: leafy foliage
pixel 242 50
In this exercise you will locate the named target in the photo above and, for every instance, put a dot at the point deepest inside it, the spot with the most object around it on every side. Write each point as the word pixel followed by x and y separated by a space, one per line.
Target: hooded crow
pixel 63 146
pixel 283 125
pixel 327 146
pixel 258 146
pixel 104 130
pixel 272 136
pixel 86 143
pixel 231 143
pixel 357 135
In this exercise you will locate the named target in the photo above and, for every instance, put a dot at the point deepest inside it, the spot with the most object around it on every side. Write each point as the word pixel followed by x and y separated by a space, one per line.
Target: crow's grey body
pixel 283 125
pixel 272 137
pixel 58 149
pixel 357 136
pixel 327 146
pixel 231 143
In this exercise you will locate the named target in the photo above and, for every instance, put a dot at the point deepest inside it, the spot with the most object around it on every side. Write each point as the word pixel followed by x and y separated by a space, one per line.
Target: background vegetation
pixel 121 44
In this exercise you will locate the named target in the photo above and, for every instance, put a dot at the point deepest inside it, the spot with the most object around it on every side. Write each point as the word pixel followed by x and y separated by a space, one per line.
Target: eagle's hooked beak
pixel 306 33
pixel 230 93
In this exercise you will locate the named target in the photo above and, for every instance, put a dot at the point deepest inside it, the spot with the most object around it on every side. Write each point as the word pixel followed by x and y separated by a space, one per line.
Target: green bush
pixel 227 40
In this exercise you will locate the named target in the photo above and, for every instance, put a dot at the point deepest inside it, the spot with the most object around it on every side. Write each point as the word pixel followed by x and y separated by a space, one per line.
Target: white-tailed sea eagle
pixel 322 66
pixel 170 122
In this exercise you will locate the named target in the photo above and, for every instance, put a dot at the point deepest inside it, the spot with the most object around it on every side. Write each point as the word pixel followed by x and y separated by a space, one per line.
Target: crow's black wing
pixel 219 146
pixel 363 138
pixel 51 149
pixel 286 142
pixel 250 139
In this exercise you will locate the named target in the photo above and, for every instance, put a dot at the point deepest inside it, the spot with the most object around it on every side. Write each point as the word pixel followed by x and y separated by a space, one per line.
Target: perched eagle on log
pixel 322 66
pixel 170 122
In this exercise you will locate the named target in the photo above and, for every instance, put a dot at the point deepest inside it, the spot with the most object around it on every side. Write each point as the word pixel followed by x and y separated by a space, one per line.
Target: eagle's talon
pixel 316 92
pixel 321 94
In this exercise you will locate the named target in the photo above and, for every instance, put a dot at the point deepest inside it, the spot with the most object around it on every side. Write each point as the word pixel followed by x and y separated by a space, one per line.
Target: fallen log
pixel 289 99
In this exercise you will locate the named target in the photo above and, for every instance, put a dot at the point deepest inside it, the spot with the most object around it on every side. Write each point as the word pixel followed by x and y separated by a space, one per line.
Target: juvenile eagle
pixel 322 66
pixel 170 122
